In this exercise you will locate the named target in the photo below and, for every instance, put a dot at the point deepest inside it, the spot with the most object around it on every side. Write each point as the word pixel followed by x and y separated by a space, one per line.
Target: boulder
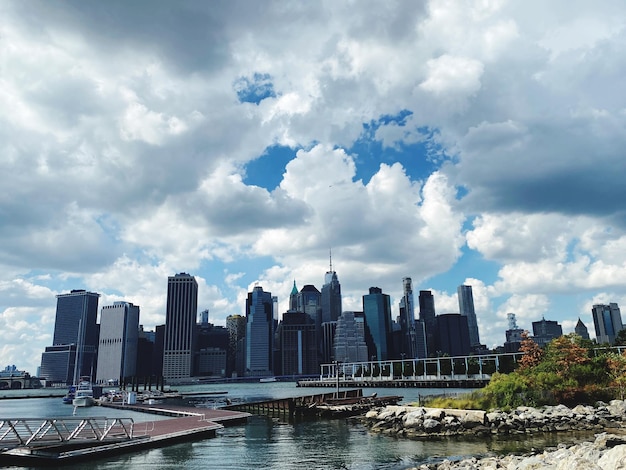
pixel 431 425
pixel 614 458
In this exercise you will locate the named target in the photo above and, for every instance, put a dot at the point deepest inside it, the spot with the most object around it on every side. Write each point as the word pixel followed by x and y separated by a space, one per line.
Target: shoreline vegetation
pixel 573 385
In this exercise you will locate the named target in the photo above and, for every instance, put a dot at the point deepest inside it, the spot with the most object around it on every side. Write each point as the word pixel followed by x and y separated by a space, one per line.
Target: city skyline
pixel 455 143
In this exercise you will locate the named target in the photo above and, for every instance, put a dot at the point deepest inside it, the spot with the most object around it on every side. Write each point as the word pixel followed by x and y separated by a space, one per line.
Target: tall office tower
pixel 349 344
pixel 466 308
pixel 420 340
pixel 331 296
pixel 453 335
pixel 427 316
pixel 513 335
pixel 326 341
pixel 545 331
pixel 297 345
pixel 119 335
pixel 377 312
pixel 75 341
pixel 293 298
pixel 259 332
pixel 309 301
pixel 204 317
pixel 581 330
pixel 236 326
pixel 180 320
pixel 407 320
pixel 607 321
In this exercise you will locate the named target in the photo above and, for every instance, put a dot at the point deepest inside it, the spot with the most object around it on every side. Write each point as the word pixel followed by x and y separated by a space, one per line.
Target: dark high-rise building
pixel 331 296
pixel 452 335
pixel 427 316
pixel 259 332
pixel 607 320
pixel 466 308
pixel 581 330
pixel 408 344
pixel 235 360
pixel 297 345
pixel 75 339
pixel 210 349
pixel 545 331
pixel 378 324
pixel 180 320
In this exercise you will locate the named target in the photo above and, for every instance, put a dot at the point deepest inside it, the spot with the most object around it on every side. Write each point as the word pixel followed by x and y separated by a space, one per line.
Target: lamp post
pixel 337 377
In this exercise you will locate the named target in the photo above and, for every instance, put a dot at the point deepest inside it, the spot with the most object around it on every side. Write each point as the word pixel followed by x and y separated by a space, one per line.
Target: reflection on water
pixel 300 444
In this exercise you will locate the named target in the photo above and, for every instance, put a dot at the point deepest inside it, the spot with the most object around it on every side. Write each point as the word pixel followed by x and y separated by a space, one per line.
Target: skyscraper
pixel 452 334
pixel 545 331
pixel 378 323
pixel 298 346
pixel 180 319
pixel 117 350
pixel 75 338
pixel 259 332
pixel 607 320
pixel 236 326
pixel 407 320
pixel 349 345
pixel 466 308
pixel 427 317
pixel 331 296
pixel 581 329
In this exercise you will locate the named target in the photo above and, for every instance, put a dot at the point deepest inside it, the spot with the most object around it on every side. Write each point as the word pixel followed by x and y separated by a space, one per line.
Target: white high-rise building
pixel 117 348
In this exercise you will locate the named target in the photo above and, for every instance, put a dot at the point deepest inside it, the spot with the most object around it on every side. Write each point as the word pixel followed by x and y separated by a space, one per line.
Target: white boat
pixel 268 379
pixel 84 395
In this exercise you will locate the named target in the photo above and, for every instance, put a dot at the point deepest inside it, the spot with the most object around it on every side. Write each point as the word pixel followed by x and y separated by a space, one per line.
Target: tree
pixel 564 354
pixel 616 367
pixel 620 338
pixel 533 354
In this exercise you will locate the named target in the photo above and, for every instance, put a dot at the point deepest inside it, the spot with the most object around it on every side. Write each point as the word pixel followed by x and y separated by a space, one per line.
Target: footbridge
pixel 432 372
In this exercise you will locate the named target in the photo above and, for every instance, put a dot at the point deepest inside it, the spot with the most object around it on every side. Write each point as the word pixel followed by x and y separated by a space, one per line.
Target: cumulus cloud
pixel 127 133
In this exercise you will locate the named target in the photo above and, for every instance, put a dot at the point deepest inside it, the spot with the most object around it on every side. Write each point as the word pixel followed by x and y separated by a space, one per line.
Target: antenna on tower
pixel 330 256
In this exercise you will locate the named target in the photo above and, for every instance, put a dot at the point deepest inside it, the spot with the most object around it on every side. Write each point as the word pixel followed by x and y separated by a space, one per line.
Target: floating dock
pixel 56 441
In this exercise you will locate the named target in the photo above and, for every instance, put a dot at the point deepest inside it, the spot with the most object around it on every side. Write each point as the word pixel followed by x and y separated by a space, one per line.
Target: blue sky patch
pixel 254 89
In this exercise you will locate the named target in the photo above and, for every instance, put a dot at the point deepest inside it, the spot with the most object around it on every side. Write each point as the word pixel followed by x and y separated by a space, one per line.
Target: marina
pixel 264 440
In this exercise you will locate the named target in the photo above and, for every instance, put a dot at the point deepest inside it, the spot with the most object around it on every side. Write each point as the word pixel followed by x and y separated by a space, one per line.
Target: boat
pixel 84 395
pixel 69 396
pixel 268 380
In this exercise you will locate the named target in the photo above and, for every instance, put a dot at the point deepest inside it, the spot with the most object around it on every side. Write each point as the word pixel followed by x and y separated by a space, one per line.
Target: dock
pixel 56 441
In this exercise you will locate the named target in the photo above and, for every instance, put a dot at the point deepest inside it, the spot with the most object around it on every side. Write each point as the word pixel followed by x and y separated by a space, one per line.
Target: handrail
pixel 27 431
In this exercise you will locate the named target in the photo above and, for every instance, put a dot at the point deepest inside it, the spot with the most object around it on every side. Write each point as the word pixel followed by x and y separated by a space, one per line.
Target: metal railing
pixel 34 431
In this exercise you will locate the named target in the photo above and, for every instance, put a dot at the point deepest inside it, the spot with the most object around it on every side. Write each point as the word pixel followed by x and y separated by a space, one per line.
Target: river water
pixel 266 443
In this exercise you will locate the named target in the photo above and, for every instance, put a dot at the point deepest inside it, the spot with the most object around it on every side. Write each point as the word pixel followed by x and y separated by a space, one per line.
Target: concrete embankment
pixel 420 422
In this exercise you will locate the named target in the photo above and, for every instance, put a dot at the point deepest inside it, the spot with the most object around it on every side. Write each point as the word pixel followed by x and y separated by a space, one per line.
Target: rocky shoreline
pixel 421 422
pixel 606 452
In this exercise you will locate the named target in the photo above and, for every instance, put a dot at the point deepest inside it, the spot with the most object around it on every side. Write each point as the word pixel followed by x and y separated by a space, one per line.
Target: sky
pixel 454 142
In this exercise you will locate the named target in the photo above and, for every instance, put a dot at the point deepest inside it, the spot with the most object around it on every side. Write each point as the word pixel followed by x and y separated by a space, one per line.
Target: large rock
pixel 431 425
pixel 614 459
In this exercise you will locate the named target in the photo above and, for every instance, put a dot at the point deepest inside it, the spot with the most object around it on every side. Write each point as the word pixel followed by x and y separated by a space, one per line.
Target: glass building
pixel 607 320
pixel 378 323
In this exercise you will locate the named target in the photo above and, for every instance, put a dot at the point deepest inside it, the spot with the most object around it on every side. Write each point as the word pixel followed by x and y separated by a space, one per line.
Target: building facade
pixel 75 339
pixel 545 331
pixel 466 308
pixel 453 336
pixel 259 333
pixel 607 320
pixel 117 347
pixel 378 324
pixel 409 341
pixel 297 345
pixel 427 317
pixel 180 320
pixel 349 343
